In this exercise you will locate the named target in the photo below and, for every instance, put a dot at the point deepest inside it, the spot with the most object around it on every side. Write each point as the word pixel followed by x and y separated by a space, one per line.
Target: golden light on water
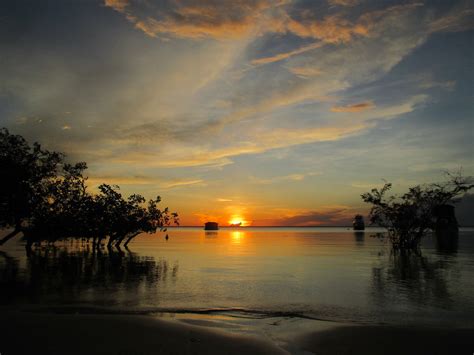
pixel 237 237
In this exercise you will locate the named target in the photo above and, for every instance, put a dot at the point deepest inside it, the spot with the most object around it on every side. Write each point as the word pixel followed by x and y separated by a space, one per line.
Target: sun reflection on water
pixel 237 237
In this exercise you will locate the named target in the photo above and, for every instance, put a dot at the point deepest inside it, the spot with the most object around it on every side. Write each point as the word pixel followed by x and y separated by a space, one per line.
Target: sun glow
pixel 237 221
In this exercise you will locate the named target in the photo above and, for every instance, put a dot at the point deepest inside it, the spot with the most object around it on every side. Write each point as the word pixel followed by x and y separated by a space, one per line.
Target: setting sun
pixel 237 221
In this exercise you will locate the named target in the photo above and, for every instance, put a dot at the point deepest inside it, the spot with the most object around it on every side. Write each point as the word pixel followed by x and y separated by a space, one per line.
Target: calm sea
pixel 330 274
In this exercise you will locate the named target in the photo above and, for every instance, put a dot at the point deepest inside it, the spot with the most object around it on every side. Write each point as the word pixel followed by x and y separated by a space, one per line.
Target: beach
pixel 25 332
pixel 39 333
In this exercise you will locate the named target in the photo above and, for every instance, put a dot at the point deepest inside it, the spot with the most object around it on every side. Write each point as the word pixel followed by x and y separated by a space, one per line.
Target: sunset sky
pixel 270 112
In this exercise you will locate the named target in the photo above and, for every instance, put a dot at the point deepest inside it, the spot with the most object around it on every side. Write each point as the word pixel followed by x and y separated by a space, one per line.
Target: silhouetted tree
pixel 47 199
pixel 60 208
pixel 23 170
pixel 409 216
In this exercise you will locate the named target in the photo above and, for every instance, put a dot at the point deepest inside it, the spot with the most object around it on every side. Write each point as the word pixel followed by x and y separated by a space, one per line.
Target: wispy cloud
pixel 305 72
pixel 184 182
pixel 457 20
pixel 122 180
pixel 162 183
pixel 429 84
pixel 290 177
pixel 360 106
pixel 343 2
pixel 259 142
pixel 332 29
pixel 200 19
pixel 286 55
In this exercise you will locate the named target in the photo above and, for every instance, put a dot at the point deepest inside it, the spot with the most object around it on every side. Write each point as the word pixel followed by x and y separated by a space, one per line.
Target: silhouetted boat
pixel 358 223
pixel 211 226
pixel 235 224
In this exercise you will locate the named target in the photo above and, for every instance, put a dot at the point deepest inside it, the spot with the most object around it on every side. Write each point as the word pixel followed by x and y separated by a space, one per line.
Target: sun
pixel 237 221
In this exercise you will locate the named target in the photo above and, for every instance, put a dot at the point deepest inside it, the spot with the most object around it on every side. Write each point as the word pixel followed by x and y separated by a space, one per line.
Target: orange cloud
pixel 241 19
pixel 201 19
pixel 361 106
pixel 118 5
pixel 332 29
pixel 237 19
pixel 232 29
pixel 282 56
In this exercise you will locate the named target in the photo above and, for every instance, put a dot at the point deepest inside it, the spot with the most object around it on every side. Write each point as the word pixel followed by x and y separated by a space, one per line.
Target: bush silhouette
pixel 46 199
pixel 409 216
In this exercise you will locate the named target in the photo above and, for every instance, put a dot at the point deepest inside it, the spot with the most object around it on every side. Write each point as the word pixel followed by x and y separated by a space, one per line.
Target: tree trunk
pixel 120 240
pixel 28 245
pixel 99 240
pixel 10 236
pixel 131 237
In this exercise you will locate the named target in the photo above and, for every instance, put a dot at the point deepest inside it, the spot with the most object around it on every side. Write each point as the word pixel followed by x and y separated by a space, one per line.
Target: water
pixel 329 274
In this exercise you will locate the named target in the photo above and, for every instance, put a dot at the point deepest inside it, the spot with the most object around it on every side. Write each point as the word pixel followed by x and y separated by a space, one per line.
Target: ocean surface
pixel 331 274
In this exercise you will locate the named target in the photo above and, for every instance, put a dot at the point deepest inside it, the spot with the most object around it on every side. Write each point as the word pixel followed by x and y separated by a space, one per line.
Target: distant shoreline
pixel 244 227
pixel 239 227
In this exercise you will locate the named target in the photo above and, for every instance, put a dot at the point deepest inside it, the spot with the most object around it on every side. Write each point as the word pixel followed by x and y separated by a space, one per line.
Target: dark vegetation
pixel 46 199
pixel 408 217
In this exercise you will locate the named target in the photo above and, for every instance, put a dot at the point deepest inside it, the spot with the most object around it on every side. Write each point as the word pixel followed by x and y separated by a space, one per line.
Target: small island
pixel 211 226
pixel 358 223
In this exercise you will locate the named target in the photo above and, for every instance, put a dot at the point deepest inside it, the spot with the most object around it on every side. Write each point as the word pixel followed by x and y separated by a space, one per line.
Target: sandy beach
pixel 388 340
pixel 45 333
pixel 39 333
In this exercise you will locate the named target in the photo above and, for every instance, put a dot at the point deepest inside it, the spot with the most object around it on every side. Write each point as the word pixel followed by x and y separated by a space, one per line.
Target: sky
pixel 267 112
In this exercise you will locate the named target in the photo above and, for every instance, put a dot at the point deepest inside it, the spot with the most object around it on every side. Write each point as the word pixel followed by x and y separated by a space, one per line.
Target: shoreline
pixel 43 333
pixel 39 332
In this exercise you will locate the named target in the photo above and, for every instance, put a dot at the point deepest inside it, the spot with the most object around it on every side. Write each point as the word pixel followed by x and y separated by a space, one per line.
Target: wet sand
pixel 388 340
pixel 45 333
pixel 62 334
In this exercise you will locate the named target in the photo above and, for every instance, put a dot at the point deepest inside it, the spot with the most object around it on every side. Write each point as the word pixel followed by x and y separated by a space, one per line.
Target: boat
pixel 211 226
pixel 358 223
pixel 235 224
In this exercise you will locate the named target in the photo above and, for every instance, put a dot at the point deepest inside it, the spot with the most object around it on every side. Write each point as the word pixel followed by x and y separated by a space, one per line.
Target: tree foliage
pixel 23 170
pixel 409 216
pixel 47 199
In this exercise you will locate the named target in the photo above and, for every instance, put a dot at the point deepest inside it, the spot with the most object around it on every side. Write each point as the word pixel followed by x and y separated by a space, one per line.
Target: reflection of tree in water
pixel 418 279
pixel 60 274
pixel 211 234
pixel 359 237
pixel 9 272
